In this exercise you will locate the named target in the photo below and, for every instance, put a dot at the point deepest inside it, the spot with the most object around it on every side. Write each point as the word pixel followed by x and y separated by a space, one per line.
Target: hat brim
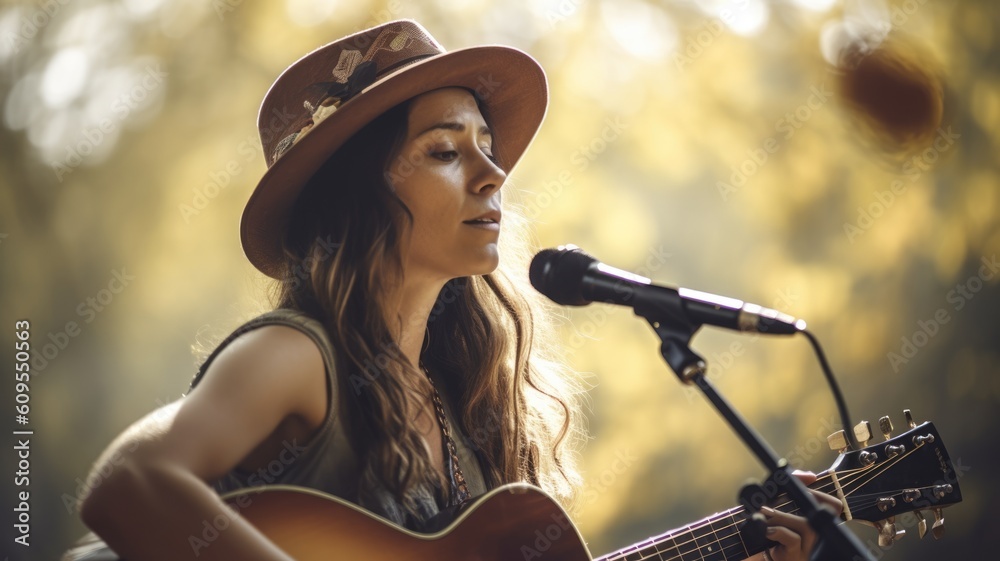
pixel 511 83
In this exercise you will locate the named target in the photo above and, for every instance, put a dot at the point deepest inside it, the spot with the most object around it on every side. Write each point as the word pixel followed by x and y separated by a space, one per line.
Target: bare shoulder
pixel 257 383
pixel 269 350
pixel 274 363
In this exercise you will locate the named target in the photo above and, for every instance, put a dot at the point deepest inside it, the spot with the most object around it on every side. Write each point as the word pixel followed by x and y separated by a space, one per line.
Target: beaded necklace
pixel 463 488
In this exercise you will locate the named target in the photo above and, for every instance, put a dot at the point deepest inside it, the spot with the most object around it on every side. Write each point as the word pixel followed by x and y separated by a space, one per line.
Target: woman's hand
pixel 794 535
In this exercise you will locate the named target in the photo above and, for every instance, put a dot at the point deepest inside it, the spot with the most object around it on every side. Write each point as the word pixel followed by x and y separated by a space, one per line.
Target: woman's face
pixel 445 175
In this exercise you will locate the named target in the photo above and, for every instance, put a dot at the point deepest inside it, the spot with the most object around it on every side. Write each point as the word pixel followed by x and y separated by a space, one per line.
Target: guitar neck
pixel 715 538
pixel 907 473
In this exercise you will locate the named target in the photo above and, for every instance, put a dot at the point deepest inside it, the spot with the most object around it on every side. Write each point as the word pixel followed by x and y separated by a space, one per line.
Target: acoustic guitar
pixel 904 475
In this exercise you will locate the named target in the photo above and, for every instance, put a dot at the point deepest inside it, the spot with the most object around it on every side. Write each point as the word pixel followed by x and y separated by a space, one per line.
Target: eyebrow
pixel 450 125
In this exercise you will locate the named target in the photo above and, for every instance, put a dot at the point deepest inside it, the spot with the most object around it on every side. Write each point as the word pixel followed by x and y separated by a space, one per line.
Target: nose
pixel 490 176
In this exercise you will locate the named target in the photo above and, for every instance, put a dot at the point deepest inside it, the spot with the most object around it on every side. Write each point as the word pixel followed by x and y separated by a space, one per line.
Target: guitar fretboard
pixel 715 538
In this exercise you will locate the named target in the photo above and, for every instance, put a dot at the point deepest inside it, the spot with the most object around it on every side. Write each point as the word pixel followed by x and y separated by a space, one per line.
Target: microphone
pixel 570 277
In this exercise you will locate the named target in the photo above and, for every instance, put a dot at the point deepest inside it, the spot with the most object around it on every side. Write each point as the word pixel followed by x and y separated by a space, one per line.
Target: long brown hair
pixel 485 335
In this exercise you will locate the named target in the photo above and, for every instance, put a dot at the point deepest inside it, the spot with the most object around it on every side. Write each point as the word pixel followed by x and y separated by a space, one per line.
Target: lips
pixel 491 217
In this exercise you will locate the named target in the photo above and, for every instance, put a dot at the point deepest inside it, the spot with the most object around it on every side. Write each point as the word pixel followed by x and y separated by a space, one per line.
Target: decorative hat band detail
pixel 353 73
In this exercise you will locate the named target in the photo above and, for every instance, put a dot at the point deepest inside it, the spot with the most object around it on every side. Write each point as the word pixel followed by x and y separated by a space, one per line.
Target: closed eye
pixel 440 155
pixel 450 155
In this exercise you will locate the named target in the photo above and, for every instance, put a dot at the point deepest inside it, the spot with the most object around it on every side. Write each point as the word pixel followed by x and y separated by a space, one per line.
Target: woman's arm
pixel 155 502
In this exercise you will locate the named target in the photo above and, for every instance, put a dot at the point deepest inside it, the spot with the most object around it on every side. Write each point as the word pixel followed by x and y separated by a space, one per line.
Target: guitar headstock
pixel 908 473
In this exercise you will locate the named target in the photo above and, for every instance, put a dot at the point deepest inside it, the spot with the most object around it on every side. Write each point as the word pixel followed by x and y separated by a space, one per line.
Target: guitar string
pixel 877 472
pixel 707 522
pixel 685 530
pixel 723 549
pixel 870 473
pixel 865 502
pixel 737 510
pixel 740 510
pixel 621 554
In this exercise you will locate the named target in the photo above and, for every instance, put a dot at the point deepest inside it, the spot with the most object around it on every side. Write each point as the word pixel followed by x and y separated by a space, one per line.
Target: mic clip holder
pixel 675 335
pixel 834 542
pixel 674 338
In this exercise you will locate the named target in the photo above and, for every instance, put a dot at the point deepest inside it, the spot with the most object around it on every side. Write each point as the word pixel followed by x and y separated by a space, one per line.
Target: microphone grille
pixel 558 274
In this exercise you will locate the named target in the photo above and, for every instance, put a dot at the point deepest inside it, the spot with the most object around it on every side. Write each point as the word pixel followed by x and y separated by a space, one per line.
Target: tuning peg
pixel 887 532
pixel 885 503
pixel 863 432
pixel 867 458
pixel 838 442
pixel 909 418
pixel 941 490
pixel 938 527
pixel 921 523
pixel 885 425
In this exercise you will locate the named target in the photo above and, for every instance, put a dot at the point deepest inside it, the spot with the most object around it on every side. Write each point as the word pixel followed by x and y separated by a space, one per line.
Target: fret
pixel 729 536
pixel 687 546
pixel 716 549
pixel 646 551
pixel 632 554
pixel 665 547
pixel 715 538
pixel 704 537
pixel 638 552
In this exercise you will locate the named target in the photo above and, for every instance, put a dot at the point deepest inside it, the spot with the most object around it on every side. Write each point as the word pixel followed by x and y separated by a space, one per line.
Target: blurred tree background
pixel 835 160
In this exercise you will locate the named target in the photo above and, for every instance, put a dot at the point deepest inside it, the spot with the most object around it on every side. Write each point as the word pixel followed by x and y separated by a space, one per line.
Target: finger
pixel 777 518
pixel 806 477
pixel 829 501
pixel 787 538
pixel 796 524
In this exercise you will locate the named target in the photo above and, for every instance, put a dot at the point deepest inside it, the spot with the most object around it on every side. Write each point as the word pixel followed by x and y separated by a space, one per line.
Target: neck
pixel 416 300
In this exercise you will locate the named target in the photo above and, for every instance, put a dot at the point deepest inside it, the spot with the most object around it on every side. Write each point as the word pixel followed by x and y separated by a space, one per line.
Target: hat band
pixel 405 62
pixel 358 85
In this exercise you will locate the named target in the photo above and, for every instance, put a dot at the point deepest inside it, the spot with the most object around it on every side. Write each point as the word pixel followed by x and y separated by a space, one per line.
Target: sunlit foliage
pixel 834 160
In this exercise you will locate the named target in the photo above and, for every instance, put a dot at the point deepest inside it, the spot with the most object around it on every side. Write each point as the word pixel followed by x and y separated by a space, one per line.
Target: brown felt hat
pixel 323 98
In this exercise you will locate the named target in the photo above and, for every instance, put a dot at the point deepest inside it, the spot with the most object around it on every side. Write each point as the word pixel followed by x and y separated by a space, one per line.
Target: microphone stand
pixel 834 543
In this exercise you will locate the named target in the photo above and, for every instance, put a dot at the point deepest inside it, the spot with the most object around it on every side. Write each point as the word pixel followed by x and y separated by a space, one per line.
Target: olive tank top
pixel 327 462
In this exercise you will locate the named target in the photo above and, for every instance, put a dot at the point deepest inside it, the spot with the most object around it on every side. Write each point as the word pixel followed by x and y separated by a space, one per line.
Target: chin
pixel 485 269
pixel 486 263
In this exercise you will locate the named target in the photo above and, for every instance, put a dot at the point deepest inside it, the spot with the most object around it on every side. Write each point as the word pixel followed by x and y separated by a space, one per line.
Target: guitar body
pixel 512 522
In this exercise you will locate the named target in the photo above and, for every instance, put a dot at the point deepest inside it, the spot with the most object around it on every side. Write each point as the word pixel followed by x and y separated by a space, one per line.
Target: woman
pixel 401 369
